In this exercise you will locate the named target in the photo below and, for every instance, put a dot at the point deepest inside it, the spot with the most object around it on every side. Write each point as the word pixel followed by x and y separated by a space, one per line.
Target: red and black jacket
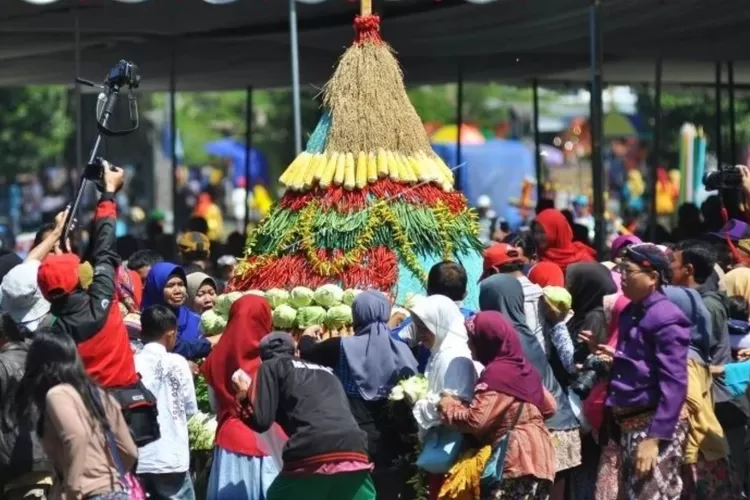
pixel 93 317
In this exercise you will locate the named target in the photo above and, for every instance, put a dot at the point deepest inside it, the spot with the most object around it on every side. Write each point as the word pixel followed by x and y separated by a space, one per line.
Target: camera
pixel 122 74
pixel 594 370
pixel 723 178
pixel 94 172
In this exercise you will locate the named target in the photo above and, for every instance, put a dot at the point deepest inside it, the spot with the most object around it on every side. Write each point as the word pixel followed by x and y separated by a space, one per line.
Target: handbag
pixel 130 484
pixel 493 469
pixel 441 448
pixel 140 411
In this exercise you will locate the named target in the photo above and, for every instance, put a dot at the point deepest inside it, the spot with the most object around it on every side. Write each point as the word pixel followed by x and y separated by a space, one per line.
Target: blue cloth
pixel 237 477
pixel 172 486
pixel 691 304
pixel 423 354
pixel 737 377
pixel 190 342
pixel 376 362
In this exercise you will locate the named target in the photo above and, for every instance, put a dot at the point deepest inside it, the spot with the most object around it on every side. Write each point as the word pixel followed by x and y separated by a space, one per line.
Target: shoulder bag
pixel 493 469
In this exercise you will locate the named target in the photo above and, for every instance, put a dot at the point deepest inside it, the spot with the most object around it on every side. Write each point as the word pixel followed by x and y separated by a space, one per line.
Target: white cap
pixel 20 296
pixel 484 201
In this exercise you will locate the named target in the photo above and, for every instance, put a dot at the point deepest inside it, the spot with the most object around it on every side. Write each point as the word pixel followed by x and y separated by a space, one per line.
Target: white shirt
pixel 169 378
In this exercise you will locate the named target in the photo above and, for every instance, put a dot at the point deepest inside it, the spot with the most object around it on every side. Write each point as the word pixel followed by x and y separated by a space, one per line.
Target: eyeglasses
pixel 626 270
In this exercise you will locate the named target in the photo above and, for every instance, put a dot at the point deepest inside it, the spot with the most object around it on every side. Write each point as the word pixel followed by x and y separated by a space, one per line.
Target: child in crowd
pixel 163 465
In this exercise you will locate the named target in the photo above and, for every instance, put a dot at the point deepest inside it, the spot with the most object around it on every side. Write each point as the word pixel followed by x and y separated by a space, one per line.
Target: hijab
pixel 623 241
pixel 194 282
pixel 588 283
pixel 738 283
pixel 153 294
pixel 561 249
pixel 547 274
pixel 503 293
pixel 691 304
pixel 129 289
pixel 239 348
pixel 506 369
pixel 377 361
pixel 442 317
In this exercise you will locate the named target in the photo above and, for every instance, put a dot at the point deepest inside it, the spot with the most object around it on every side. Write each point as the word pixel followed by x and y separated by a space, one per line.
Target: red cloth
pixel 239 347
pixel 58 275
pixel 560 248
pixel 129 288
pixel 506 368
pixel 547 274
pixel 593 406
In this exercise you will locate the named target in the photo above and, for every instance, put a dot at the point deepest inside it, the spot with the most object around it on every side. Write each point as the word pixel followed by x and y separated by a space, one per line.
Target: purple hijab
pixel 377 361
pixel 622 241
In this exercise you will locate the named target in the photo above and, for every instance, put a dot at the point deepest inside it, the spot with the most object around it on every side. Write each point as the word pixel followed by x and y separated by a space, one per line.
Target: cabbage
pixel 300 297
pixel 350 295
pixel 212 324
pixel 276 297
pixel 411 300
pixel 328 295
pixel 339 316
pixel 258 293
pixel 284 317
pixel 224 303
pixel 310 316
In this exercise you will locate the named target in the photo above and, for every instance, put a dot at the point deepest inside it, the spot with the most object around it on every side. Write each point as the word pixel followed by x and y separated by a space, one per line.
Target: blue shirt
pixel 423 354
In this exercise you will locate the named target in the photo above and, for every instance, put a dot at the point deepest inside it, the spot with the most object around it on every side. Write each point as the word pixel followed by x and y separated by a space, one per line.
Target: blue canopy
pixel 496 168
pixel 234 150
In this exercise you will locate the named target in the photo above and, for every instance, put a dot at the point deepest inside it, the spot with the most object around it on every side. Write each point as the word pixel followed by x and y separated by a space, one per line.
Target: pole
pixel 655 151
pixel 718 114
pixel 248 151
pixel 459 122
pixel 537 143
pixel 295 76
pixel 173 132
pixel 78 102
pixel 732 121
pixel 597 166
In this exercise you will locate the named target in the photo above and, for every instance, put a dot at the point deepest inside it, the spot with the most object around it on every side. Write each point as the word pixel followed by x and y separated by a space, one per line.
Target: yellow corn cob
pixel 425 167
pixel 312 169
pixel 360 175
pixel 447 172
pixel 372 167
pixel 407 174
pixel 394 170
pixel 320 167
pixel 382 164
pixel 416 167
pixel 349 177
pixel 299 177
pixel 330 169
pixel 432 170
pixel 338 177
pixel 290 173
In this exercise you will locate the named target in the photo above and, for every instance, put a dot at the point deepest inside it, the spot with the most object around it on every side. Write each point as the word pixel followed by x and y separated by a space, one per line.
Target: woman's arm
pixel 458 376
pixel 479 415
pixel 671 345
pixel 560 338
pixel 325 353
pixel 550 405
pixel 125 444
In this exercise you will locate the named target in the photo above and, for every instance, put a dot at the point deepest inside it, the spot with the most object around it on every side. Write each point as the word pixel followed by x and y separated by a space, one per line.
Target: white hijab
pixel 450 367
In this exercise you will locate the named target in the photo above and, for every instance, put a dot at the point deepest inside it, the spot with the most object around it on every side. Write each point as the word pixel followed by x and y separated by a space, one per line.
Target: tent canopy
pixel 227 44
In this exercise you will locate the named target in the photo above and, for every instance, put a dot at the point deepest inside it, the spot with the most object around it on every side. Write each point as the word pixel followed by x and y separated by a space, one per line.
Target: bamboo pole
pixel 365 7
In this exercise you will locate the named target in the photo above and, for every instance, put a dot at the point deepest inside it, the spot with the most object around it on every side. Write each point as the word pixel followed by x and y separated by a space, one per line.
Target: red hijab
pixel 561 249
pixel 239 347
pixel 130 289
pixel 506 369
pixel 547 274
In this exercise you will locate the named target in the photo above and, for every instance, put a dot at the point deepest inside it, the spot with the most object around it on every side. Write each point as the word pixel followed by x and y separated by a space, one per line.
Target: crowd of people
pixel 576 379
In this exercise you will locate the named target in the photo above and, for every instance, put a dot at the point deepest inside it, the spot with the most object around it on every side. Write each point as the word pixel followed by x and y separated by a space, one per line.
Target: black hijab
pixel 588 283
pixel 276 344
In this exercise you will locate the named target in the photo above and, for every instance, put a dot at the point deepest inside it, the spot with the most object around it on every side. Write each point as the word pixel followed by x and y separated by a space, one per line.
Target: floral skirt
pixel 567 446
pixel 608 475
pixel 520 488
pixel 665 481
pixel 706 480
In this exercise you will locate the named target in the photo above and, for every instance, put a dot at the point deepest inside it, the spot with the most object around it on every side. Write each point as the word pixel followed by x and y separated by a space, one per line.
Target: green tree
pixel 34 126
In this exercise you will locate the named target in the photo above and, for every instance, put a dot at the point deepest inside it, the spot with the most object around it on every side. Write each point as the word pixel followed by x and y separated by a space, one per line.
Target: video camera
pixel 123 74
pixel 723 178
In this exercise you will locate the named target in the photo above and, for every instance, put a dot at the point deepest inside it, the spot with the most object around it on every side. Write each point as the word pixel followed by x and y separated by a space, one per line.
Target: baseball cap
pixel 20 296
pixel 194 242
pixel 58 275
pixel 735 229
pixel 497 255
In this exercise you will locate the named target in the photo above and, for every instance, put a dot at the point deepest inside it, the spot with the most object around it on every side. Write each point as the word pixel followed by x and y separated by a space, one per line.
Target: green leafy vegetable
pixel 350 295
pixel 224 303
pixel 300 297
pixel 284 317
pixel 328 295
pixel 276 297
pixel 338 316
pixel 311 315
pixel 212 324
